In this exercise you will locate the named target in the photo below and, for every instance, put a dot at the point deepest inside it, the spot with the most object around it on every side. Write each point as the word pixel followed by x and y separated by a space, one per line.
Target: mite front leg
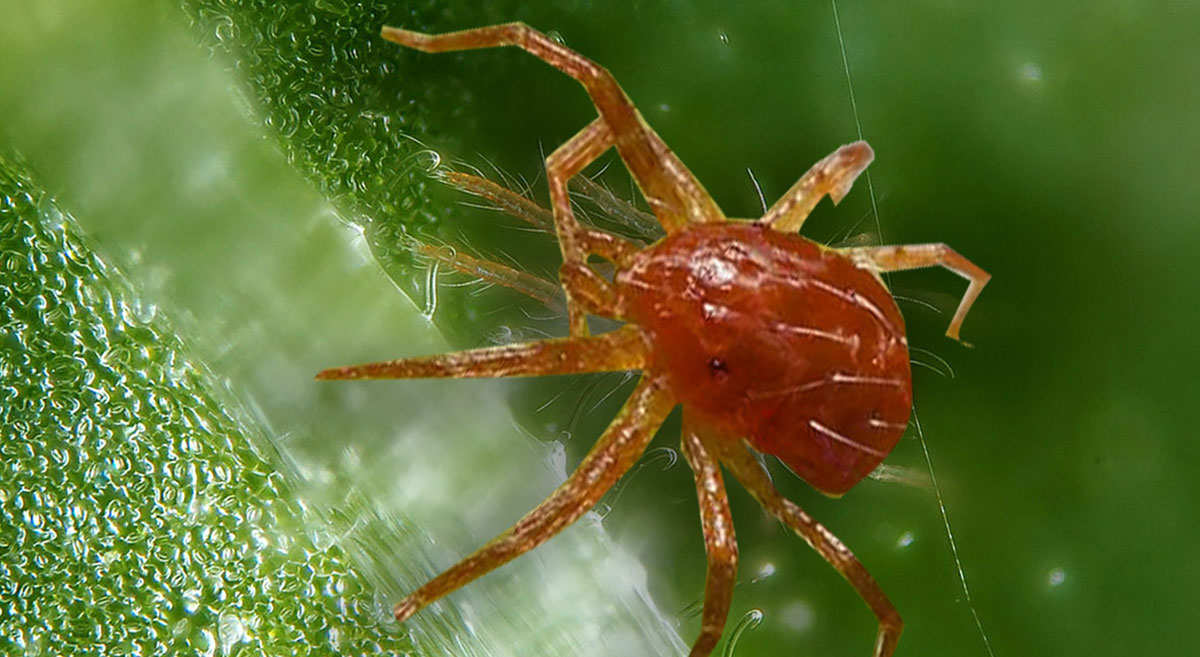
pixel 751 474
pixel 588 290
pixel 618 449
pixel 833 175
pixel 616 351
pixel 915 256
pixel 591 292
pixel 563 164
pixel 719 541
pixel 493 272
pixel 503 198
pixel 644 224
pixel 674 194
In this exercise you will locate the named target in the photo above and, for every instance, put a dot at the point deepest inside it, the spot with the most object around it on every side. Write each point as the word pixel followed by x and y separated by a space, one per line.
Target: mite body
pixel 772 337
pixel 769 341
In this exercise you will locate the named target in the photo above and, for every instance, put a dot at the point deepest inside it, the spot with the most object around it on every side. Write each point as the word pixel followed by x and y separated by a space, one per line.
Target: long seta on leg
pixel 754 478
pixel 720 544
pixel 916 256
pixel 502 198
pixel 643 224
pixel 674 194
pixel 619 448
pixel 534 287
pixel 620 350
pixel 590 292
pixel 833 175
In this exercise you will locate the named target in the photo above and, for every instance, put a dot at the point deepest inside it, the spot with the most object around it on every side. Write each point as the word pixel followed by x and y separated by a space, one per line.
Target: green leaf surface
pixel 139 516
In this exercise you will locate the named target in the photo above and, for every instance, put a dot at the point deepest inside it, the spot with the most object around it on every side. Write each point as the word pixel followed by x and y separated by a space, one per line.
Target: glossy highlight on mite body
pixel 770 342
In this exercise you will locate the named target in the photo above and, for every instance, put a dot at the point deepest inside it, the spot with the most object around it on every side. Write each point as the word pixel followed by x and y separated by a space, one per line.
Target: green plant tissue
pixel 323 84
pixel 137 514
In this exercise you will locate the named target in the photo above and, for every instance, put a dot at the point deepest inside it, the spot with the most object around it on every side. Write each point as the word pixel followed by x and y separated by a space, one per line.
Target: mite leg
pixel 719 541
pixel 503 198
pixel 644 224
pixel 531 286
pixel 618 449
pixel 620 350
pixel 672 191
pixel 833 175
pixel 563 164
pixel 915 256
pixel 589 291
pixel 751 474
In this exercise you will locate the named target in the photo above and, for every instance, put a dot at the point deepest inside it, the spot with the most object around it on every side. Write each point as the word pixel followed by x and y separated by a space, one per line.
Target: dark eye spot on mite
pixel 718 369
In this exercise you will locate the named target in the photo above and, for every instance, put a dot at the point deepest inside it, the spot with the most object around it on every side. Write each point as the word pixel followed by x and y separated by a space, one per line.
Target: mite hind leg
pixel 674 194
pixel 755 479
pixel 916 256
pixel 720 544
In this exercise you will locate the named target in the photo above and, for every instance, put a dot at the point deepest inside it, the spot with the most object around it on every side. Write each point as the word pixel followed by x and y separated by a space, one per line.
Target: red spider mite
pixel 768 340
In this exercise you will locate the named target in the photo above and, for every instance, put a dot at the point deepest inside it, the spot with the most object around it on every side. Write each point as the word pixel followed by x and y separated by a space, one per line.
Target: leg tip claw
pixel 846 164
pixel 403 37
pixel 405 609
pixel 335 373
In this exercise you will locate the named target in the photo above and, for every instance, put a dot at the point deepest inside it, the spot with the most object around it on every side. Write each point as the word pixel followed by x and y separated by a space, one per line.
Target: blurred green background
pixel 252 169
